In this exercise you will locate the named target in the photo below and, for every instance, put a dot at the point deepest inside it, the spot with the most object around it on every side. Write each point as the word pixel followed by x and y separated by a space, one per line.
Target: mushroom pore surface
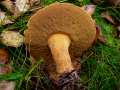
pixel 59 18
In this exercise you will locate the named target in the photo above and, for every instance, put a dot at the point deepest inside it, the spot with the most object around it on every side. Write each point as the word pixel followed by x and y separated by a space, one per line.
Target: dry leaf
pixel 20 6
pixel 108 17
pixel 12 38
pixel 118 31
pixel 100 37
pixel 34 2
pixel 114 2
pixel 3 56
pixel 25 5
pixel 5 69
pixel 7 85
pixel 4 19
pixel 111 2
pixel 97 1
pixel 8 4
pixel 89 8
pixel 3 61
pixel 11 6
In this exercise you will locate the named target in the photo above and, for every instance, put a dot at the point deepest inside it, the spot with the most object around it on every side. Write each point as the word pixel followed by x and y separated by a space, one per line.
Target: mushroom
pixel 60 33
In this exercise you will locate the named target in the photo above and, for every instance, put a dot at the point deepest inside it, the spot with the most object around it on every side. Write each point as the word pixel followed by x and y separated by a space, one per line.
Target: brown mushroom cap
pixel 59 18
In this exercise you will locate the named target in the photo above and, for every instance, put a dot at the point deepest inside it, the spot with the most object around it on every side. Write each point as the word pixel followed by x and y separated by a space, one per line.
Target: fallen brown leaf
pixel 4 19
pixel 111 2
pixel 7 85
pixel 90 9
pixel 108 17
pixel 20 6
pixel 23 5
pixel 5 69
pixel 3 56
pixel 100 37
pixel 8 4
pixel 97 1
pixel 114 2
pixel 118 31
pixel 12 38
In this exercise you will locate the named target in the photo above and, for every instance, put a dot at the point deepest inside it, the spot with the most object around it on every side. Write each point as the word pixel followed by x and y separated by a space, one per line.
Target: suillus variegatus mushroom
pixel 59 33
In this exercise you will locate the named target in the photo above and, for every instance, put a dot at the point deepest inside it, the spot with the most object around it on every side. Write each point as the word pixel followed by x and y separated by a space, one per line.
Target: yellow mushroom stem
pixel 59 46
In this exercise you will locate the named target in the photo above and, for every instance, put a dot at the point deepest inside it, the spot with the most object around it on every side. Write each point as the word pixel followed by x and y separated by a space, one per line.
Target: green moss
pixel 102 68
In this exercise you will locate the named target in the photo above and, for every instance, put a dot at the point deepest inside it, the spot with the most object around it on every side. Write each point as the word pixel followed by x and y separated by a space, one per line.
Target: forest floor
pixel 100 65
